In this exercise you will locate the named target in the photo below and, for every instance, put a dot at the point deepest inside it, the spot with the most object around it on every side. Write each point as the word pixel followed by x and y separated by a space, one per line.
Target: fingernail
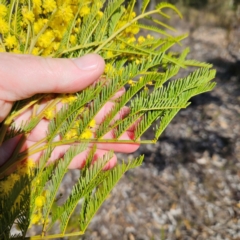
pixel 87 62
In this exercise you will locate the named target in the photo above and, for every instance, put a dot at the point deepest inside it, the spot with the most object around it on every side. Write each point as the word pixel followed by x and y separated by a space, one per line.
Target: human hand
pixel 22 76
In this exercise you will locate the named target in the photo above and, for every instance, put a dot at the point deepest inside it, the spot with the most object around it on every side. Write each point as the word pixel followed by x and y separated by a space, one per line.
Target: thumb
pixel 22 76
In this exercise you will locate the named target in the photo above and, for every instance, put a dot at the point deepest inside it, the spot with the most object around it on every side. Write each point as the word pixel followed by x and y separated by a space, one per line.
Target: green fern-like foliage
pixel 145 66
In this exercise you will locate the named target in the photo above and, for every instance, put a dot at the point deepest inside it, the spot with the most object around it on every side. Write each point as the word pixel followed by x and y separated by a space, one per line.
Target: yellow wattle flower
pixel 92 123
pixel 5 187
pixel 49 5
pixel 10 41
pixel 28 17
pixel 36 218
pixel 100 14
pixel 150 37
pixel 39 201
pixel 68 98
pixel 73 39
pixel 108 68
pixel 87 134
pixel 3 10
pixel 35 51
pixel 49 113
pixel 14 177
pixel 131 40
pixel 109 54
pixel 37 3
pixel 141 39
pixel 55 45
pixel 131 82
pixel 65 13
pixel 85 10
pixel 71 134
pixel 46 39
pixel 4 28
pixel 38 25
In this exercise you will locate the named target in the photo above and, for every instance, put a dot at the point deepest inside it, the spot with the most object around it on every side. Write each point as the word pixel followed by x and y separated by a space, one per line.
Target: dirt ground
pixel 189 184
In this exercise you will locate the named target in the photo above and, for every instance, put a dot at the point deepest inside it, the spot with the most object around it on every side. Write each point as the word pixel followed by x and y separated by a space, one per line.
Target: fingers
pixel 79 161
pixel 40 131
pixel 33 74
pixel 118 93
pixel 106 109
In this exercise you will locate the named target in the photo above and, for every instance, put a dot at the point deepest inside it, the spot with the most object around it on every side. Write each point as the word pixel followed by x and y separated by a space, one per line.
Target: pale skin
pixel 22 76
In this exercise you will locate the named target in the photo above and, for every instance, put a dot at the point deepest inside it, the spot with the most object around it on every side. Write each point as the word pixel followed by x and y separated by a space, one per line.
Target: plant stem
pixel 123 28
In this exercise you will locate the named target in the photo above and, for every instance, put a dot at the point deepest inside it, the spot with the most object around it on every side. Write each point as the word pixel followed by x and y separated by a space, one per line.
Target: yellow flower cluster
pixel 43 25
pixel 87 134
pixel 68 98
pixel 23 168
pixel 26 167
pixel 50 113
pixel 130 35
pixel 7 184
pixel 132 29
pixel 37 217
pixel 131 82
pixel 4 28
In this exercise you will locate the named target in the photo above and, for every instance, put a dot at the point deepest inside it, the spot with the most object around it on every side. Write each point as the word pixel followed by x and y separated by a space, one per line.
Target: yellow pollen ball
pixel 14 177
pixel 3 10
pixel 37 9
pixel 133 15
pixel 108 68
pixel 141 39
pixel 73 39
pixel 92 123
pixel 68 98
pixel 85 10
pixel 45 39
pixel 109 54
pixel 132 40
pixel 3 26
pixel 11 41
pixel 5 187
pixel 135 29
pixel 86 134
pixel 39 201
pixel 100 14
pixel 150 37
pixel 28 17
pixel 36 218
pixel 65 13
pixel 130 82
pixel 35 51
pixel 49 5
pixel 30 163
